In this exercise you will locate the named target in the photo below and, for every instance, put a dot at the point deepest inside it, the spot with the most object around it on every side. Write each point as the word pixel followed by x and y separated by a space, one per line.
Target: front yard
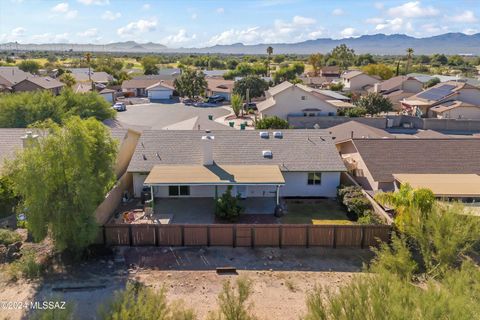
pixel 315 211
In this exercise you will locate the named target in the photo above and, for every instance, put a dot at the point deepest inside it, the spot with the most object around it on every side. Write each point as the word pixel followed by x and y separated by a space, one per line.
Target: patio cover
pixel 444 185
pixel 215 175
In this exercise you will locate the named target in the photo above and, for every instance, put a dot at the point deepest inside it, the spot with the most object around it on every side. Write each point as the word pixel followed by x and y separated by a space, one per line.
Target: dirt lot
pixel 189 274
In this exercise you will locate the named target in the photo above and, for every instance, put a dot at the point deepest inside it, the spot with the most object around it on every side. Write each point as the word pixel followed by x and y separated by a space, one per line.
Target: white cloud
pixel 137 27
pixel 348 32
pixel 18 32
pixel 180 38
pixel 338 12
pixel 374 20
pixel 220 10
pixel 465 17
pixel 379 5
pixel 301 21
pixel 395 25
pixel 412 9
pixel 109 15
pixel 194 16
pixel 146 6
pixel 470 31
pixel 89 33
pixel 94 2
pixel 49 37
pixel 71 14
pixel 315 34
pixel 61 7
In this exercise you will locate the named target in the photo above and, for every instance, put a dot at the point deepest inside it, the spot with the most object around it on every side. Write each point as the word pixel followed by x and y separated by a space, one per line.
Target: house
pixel 259 165
pixel 108 94
pixel 374 161
pixel 221 87
pixel 457 187
pixel 330 72
pixel 138 85
pixel 356 80
pixel 160 91
pixel 424 78
pixel 214 73
pixel 10 76
pixel 101 77
pixel 198 123
pixel 287 100
pixel 13 140
pixel 454 99
pixel 314 81
pixel 354 129
pixel 34 83
pixel 398 88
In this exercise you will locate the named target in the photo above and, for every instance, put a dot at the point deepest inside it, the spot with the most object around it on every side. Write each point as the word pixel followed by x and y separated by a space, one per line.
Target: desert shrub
pixel 26 267
pixel 234 306
pixel 8 237
pixel 227 206
pixel 358 206
pixel 142 303
pixel 271 123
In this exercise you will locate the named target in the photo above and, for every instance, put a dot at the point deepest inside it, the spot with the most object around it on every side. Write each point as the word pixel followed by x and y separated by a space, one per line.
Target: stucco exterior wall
pixel 357 83
pixel 460 113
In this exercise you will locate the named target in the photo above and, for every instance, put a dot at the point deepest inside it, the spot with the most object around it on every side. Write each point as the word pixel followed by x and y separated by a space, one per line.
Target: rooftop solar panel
pixel 437 93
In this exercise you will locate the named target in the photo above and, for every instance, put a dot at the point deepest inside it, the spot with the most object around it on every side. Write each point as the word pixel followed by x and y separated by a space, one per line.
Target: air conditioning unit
pixel 264 134
pixel 278 134
pixel 267 153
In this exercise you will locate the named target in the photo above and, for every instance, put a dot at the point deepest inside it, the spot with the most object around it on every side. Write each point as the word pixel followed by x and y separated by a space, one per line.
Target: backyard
pixel 315 211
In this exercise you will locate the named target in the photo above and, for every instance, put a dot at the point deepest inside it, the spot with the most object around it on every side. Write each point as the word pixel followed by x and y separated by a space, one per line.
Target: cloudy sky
pixel 182 23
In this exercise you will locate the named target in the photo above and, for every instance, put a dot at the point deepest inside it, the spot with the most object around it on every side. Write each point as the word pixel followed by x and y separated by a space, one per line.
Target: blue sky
pixel 182 23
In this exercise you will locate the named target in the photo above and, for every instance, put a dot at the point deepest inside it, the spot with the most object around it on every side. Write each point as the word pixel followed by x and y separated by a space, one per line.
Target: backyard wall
pixel 106 209
pixel 296 185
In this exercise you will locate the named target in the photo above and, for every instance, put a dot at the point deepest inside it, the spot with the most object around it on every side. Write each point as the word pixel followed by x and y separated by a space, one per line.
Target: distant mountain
pixel 448 43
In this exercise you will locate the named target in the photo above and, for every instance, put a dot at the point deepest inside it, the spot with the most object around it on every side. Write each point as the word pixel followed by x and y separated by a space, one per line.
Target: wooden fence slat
pixel 321 236
pixel 169 235
pixel 266 235
pixel 294 236
pixel 221 235
pixel 195 235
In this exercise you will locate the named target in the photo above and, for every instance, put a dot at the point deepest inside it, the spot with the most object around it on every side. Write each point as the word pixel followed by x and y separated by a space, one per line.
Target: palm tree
pixel 269 52
pixel 409 59
pixel 88 58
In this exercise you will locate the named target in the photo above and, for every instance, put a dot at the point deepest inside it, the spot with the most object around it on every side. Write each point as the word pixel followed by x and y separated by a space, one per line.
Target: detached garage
pixel 108 94
pixel 160 91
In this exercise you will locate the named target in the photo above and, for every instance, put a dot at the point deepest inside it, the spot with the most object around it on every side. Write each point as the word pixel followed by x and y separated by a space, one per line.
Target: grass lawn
pixel 321 211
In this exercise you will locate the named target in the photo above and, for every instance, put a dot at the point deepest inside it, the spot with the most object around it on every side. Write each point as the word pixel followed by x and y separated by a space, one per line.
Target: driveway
pixel 160 115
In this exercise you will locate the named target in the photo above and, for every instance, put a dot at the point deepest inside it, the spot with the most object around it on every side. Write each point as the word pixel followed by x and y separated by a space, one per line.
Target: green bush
pixel 233 306
pixel 142 303
pixel 8 237
pixel 227 206
pixel 271 123
pixel 26 267
pixel 358 206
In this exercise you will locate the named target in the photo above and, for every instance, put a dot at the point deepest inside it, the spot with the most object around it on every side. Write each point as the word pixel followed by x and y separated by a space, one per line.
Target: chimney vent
pixel 207 148
pixel 267 153
pixel 264 134
pixel 278 134
pixel 29 139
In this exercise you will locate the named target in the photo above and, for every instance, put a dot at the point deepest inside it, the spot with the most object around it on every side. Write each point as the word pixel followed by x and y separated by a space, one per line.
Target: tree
pixel 316 60
pixel 381 70
pixel 439 59
pixel 237 104
pixel 191 84
pixel 255 86
pixel 68 79
pixel 271 123
pixel 343 55
pixel 279 58
pixel 288 73
pixel 269 52
pixel 431 82
pixel 409 59
pixel 227 206
pixel 31 66
pixel 365 59
pixel 336 86
pixel 88 59
pixel 149 64
pixel 8 200
pixel 62 178
pixel 374 103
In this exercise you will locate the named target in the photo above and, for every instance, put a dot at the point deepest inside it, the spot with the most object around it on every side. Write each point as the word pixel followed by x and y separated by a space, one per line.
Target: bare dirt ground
pixel 281 278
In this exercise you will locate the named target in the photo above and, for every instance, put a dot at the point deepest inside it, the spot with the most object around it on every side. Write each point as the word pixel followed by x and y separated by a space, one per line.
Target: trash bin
pixel 210 117
pixel 242 126
pixel 231 124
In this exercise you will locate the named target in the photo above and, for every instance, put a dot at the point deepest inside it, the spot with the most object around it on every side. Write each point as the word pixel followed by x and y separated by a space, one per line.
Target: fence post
pixel 130 236
pixel 182 232
pixel 334 237
pixel 155 234
pixel 252 235
pixel 234 235
pixel 208 235
pixel 280 229
pixel 362 244
pixel 307 239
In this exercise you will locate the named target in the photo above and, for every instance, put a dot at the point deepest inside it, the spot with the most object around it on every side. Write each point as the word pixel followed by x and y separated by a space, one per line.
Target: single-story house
pixel 138 85
pixel 330 71
pixel 398 88
pixel 354 129
pixel 81 75
pixel 262 165
pixel 374 161
pixel 220 87
pixel 291 100
pixel 33 83
pixel 160 91
pixel 357 81
pixel 108 94
pixel 214 73
pixel 458 187
pixel 15 139
pixel 457 100
pixel 9 76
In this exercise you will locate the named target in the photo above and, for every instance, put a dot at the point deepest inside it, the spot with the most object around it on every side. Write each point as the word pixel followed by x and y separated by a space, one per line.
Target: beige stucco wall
pixel 460 113
pixel 358 82
pixel 470 95
pixel 290 101
pixel 30 86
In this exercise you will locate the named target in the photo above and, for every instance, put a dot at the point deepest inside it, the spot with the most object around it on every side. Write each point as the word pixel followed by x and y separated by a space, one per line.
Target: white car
pixel 120 106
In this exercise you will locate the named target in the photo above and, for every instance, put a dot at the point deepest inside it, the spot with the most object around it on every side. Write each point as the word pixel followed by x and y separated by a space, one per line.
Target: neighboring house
pixel 160 91
pixel 108 94
pixel 13 140
pixel 314 81
pixel 457 187
pixel 424 78
pixel 221 87
pixel 96 77
pixel 214 73
pixel 198 123
pixel 454 99
pixel 353 129
pixel 257 164
pixel 138 85
pixel 10 76
pixel 398 88
pixel 374 162
pixel 34 83
pixel 287 99
pixel 330 72
pixel 356 80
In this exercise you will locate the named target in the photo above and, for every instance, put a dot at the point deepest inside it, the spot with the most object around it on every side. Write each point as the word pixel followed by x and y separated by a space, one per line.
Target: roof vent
pixel 267 153
pixel 264 134
pixel 144 157
pixel 278 134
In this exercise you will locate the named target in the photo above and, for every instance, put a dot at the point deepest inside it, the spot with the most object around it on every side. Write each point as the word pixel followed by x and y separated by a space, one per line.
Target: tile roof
pixel 279 88
pixel 198 123
pixel 452 104
pixel 100 76
pixel 384 157
pixel 11 141
pixel 345 131
pixel 139 83
pixel 220 85
pixel 395 83
pixel 44 82
pixel 351 74
pixel 12 75
pixel 298 150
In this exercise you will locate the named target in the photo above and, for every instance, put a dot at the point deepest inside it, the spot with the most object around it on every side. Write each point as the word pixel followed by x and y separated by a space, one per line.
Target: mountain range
pixel 448 43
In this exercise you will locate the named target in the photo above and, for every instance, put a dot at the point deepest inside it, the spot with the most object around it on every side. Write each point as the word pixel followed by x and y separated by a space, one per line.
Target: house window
pixel 175 191
pixel 314 178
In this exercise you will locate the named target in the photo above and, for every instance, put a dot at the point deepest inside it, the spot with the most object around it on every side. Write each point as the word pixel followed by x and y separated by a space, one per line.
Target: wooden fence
pixel 245 235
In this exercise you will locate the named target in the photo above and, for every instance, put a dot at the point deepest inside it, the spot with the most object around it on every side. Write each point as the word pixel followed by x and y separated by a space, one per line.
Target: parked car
pixel 188 102
pixel 120 106
pixel 250 105
pixel 216 99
